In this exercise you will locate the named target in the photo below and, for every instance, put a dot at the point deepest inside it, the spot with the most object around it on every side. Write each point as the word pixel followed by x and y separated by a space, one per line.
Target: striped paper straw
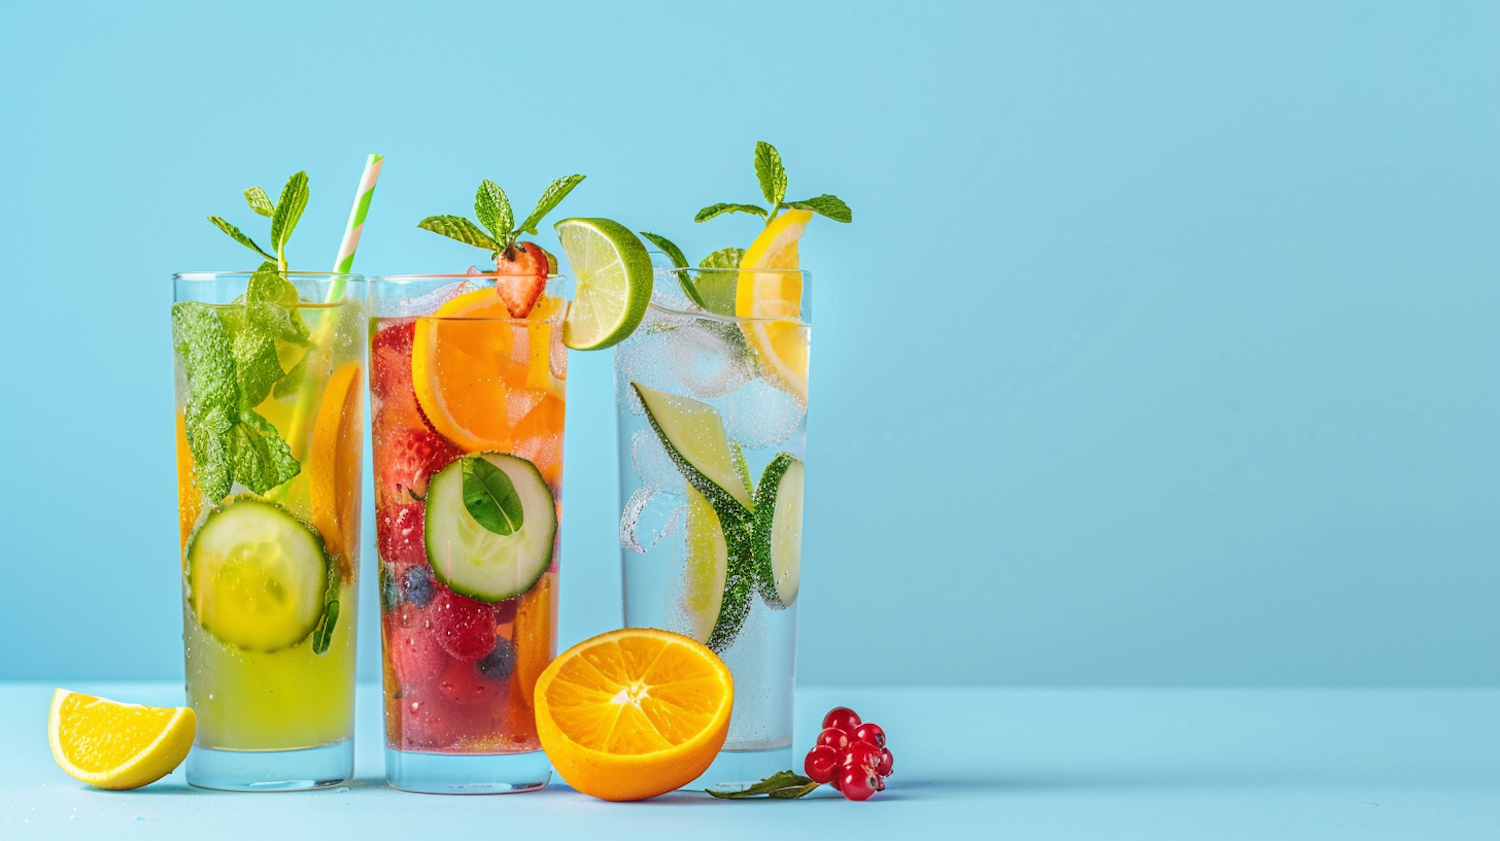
pixel 356 224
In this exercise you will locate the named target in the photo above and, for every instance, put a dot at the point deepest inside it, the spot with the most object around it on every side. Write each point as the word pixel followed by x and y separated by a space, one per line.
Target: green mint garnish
pixel 772 176
pixel 322 633
pixel 231 358
pixel 679 260
pixel 719 278
pixel 782 785
pixel 492 208
pixel 284 215
pixel 490 497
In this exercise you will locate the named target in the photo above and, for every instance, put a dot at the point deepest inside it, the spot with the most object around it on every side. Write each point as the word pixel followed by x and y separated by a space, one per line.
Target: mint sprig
pixel 492 208
pixel 782 785
pixel 284 215
pixel 771 174
pixel 231 362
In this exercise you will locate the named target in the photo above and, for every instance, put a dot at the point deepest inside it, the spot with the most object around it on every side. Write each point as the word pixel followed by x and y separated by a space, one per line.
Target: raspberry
pixel 465 627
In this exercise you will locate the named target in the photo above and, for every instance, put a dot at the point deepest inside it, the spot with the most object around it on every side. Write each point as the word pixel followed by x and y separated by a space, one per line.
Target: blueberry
pixel 417 584
pixel 390 594
pixel 498 664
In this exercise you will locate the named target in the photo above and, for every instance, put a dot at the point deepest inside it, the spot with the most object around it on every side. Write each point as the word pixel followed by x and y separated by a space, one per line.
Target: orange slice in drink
pixel 477 372
pixel 334 465
pixel 634 713
pixel 189 501
pixel 782 346
pixel 535 634
pixel 117 746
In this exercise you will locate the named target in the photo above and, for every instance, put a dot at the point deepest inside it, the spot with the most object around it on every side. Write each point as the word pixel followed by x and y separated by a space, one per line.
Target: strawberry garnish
pixel 405 458
pixel 523 272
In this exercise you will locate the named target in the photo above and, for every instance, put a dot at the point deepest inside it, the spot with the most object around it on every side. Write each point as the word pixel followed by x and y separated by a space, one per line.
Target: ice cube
pixel 653 464
pixel 761 415
pixel 640 517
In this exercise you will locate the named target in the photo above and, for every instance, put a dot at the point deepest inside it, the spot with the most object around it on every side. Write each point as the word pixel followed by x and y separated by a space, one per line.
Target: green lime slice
pixel 613 272
pixel 706 570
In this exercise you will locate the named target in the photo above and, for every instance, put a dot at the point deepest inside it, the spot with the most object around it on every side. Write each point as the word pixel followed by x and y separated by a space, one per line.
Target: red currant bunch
pixel 850 754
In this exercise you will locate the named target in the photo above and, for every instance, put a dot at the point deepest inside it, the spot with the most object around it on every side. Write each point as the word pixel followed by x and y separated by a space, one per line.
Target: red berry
pixel 841 718
pixel 861 756
pixel 405 458
pixel 835 782
pixel 821 763
pixel 398 536
pixel 858 783
pixel 836 739
pixel 881 785
pixel 886 764
pixel 390 362
pixel 869 732
pixel 523 275
pixel 465 628
pixel 462 684
pixel 411 646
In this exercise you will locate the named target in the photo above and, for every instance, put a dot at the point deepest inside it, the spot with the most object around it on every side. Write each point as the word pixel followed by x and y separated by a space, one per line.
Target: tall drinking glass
pixel 712 423
pixel 270 397
pixel 467 411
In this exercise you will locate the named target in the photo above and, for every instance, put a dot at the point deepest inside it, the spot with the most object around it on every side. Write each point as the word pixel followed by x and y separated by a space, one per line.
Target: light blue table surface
pixel 988 763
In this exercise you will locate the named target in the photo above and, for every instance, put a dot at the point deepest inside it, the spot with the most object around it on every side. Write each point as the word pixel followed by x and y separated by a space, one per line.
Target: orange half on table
pixel 634 713
pixel 117 746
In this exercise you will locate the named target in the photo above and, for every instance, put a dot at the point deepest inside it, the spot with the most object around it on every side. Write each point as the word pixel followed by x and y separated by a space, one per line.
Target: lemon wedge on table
pixel 117 746
pixel 767 290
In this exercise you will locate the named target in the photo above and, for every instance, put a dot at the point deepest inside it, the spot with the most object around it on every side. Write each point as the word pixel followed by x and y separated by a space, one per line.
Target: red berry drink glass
pixel 467 413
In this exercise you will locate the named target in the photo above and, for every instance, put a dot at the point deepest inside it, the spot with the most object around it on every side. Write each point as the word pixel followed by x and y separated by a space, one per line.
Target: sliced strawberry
pixel 523 275
pixel 405 458
pixel 399 537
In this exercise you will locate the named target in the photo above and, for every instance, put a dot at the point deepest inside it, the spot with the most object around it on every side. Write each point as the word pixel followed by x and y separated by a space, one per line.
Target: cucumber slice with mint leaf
pixel 778 531
pixel 258 577
pixel 490 526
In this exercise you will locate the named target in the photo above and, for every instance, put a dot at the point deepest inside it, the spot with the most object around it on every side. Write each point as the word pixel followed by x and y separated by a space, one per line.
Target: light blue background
pixel 1162 349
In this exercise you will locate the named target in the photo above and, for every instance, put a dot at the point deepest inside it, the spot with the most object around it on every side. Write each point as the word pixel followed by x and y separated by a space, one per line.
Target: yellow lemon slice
pixel 634 713
pixel 764 293
pixel 117 746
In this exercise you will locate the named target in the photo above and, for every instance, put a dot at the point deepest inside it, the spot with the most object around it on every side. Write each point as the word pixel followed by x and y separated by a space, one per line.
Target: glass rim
pixel 680 269
pixel 206 276
pixel 419 278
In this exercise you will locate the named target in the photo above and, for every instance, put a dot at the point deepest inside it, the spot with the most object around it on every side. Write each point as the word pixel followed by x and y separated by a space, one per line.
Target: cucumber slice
pixel 256 575
pixel 778 531
pixel 715 600
pixel 693 434
pixel 475 562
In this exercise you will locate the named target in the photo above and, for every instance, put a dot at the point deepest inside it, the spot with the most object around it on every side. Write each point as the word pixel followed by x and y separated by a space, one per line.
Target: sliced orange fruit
pixel 189 501
pixel 768 290
pixel 635 713
pixel 535 634
pixel 334 465
pixel 475 371
pixel 117 746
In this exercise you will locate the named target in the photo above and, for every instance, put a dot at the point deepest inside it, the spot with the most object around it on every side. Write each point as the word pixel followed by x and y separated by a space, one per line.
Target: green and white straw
pixel 356 224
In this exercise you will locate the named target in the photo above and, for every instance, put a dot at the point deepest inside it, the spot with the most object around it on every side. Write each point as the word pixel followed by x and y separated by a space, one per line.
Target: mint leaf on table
pixel 490 497
pixel 288 210
pixel 770 173
pixel 239 236
pixel 493 210
pixel 554 194
pixel 461 229
pixel 825 205
pixel 722 208
pixel 782 785
pixel 260 202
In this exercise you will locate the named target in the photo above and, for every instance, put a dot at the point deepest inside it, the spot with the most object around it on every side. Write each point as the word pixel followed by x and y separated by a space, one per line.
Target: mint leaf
pixel 724 258
pixel 213 393
pixel 292 382
pixel 555 193
pixel 267 284
pixel 782 785
pixel 322 634
pixel 713 210
pixel 460 229
pixel 259 457
pixel 256 365
pixel 770 172
pixel 288 210
pixel 669 248
pixel 719 280
pixel 493 210
pixel 259 201
pixel 825 205
pixel 490 497
pixel 239 236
